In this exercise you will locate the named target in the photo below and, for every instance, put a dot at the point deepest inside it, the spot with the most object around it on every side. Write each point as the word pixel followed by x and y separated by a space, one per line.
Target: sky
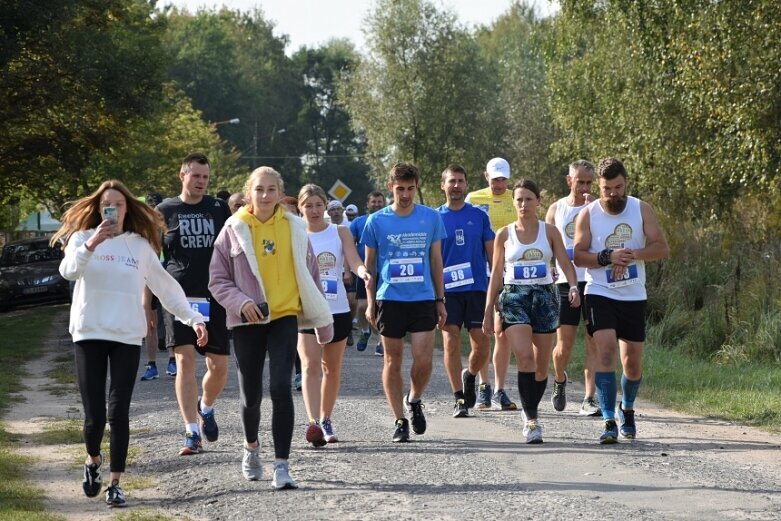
pixel 314 22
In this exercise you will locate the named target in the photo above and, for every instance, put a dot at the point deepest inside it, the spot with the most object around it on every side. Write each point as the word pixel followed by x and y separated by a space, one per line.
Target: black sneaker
pixel 470 390
pixel 460 410
pixel 418 419
pixel 209 426
pixel 402 431
pixel 559 395
pixel 115 497
pixel 92 483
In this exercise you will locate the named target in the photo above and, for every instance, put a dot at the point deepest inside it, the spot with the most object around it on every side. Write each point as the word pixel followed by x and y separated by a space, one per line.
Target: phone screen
pixel 110 214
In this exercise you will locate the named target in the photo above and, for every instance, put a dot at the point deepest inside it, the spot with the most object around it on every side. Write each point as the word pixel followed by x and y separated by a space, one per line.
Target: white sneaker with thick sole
pixel 250 465
pixel 282 479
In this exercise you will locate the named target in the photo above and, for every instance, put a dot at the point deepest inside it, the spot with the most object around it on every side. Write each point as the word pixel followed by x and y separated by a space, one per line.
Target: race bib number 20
pixel 403 271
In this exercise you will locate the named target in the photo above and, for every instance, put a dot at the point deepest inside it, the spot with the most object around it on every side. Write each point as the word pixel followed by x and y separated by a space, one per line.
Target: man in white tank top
pixel 614 237
pixel 562 215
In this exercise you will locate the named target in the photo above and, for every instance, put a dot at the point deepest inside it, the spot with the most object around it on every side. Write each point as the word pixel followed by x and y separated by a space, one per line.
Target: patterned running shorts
pixel 534 304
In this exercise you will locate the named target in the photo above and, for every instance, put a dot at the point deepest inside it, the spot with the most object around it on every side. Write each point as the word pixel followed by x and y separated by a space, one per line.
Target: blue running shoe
pixel 502 402
pixel 484 394
pixel 364 340
pixel 627 421
pixel 171 369
pixel 150 373
pixel 328 431
pixel 192 444
pixel 378 350
pixel 610 436
pixel 209 426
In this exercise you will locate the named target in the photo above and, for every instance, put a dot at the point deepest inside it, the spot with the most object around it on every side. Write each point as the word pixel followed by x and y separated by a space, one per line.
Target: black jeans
pixel 94 358
pixel 250 344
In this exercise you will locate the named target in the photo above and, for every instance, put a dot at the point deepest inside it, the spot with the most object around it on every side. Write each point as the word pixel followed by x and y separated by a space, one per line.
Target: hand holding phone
pixel 254 313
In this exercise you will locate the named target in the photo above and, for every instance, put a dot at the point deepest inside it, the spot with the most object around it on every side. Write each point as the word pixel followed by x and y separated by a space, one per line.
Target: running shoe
pixel 533 432
pixel 350 340
pixel 314 434
pixel 416 411
pixel 627 421
pixel 378 350
pixel 328 431
pixel 559 395
pixel 171 369
pixel 590 407
pixel 401 434
pixel 282 479
pixel 297 381
pixel 209 426
pixel 115 497
pixel 92 481
pixel 484 396
pixel 470 394
pixel 460 410
pixel 610 436
pixel 363 341
pixel 502 402
pixel 250 464
pixel 192 444
pixel 150 373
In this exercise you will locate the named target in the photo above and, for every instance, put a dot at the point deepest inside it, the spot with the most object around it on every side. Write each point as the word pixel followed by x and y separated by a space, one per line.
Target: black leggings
pixel 250 344
pixel 93 359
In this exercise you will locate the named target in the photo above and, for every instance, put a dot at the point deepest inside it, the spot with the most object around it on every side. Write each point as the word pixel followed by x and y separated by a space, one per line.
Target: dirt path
pixel 681 467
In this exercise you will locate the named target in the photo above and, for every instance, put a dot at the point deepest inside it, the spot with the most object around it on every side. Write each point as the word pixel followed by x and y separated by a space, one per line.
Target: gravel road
pixel 681 467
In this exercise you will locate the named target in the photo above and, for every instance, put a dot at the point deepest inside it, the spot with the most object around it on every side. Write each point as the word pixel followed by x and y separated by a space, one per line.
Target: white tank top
pixel 564 220
pixel 327 246
pixel 527 263
pixel 624 230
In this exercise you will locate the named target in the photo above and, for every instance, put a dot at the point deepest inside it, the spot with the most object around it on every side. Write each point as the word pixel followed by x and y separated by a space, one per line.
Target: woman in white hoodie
pixel 111 243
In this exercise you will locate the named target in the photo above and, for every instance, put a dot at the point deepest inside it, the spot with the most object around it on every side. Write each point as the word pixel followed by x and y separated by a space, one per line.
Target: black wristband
pixel 603 257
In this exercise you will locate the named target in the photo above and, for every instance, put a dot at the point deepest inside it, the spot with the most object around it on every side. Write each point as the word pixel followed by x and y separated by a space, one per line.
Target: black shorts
pixel 178 334
pixel 465 308
pixel 569 316
pixel 627 317
pixel 343 325
pixel 351 287
pixel 396 318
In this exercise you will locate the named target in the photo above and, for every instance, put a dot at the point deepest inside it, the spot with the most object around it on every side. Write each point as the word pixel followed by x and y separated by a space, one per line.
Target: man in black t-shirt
pixel 194 220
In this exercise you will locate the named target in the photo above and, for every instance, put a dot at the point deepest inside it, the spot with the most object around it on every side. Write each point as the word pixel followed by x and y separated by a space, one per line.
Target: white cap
pixel 498 167
pixel 334 204
pixel 351 208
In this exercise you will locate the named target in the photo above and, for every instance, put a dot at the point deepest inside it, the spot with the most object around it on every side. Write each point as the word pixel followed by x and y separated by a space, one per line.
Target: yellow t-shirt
pixel 274 251
pixel 500 208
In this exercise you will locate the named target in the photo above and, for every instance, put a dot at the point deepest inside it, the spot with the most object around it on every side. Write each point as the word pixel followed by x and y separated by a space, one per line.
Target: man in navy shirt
pixel 465 251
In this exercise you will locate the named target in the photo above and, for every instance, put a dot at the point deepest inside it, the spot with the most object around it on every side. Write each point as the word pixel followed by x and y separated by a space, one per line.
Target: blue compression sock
pixel 606 385
pixel 629 390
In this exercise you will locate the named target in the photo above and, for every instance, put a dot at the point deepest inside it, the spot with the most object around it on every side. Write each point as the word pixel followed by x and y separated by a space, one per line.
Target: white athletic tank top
pixel 564 220
pixel 330 257
pixel 527 263
pixel 624 230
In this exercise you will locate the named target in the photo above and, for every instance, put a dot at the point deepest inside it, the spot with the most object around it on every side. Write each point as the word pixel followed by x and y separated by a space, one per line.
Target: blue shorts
pixel 533 304
pixel 465 308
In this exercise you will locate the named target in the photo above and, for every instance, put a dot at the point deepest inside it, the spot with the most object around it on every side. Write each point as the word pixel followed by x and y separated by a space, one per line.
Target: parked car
pixel 29 273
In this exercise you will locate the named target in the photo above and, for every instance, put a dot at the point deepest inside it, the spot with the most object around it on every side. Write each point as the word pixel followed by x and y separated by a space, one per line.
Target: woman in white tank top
pixel 335 250
pixel 529 303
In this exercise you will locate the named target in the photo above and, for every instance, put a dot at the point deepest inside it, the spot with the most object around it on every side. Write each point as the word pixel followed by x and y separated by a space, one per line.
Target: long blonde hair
pixel 310 190
pixel 84 214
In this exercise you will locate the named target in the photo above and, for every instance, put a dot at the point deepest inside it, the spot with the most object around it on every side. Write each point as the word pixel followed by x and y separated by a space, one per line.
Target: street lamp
pixel 233 121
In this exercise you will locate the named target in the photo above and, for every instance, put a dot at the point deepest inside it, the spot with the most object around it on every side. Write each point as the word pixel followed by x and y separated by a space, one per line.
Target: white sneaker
pixel 533 432
pixel 250 465
pixel 282 479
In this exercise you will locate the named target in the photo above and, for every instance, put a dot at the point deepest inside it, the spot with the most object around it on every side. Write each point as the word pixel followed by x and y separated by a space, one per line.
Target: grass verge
pixel 22 336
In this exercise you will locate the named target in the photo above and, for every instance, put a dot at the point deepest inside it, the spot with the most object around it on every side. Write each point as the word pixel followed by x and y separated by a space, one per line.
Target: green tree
pixel 422 95
pixel 333 150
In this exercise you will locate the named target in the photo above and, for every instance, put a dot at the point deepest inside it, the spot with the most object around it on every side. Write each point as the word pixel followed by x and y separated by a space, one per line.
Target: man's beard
pixel 616 204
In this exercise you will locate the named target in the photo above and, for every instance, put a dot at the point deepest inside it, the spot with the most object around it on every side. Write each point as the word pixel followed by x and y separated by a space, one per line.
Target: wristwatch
pixel 442 300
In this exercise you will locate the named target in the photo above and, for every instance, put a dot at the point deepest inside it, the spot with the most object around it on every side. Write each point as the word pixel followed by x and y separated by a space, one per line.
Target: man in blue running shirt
pixel 466 249
pixel 404 254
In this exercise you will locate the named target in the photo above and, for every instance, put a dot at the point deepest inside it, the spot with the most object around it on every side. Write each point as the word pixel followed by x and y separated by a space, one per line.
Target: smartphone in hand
pixel 110 214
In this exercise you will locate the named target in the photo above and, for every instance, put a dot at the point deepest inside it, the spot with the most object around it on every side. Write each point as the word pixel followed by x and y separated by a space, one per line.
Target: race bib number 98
pixel 406 270
pixel 458 275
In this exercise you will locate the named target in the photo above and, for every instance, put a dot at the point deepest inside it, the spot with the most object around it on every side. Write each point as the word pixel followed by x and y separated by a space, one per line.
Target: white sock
pixel 192 428
pixel 278 461
pixel 414 399
pixel 206 409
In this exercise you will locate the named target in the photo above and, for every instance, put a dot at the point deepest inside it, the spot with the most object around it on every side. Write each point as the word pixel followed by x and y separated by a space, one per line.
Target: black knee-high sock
pixel 527 387
pixel 541 386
